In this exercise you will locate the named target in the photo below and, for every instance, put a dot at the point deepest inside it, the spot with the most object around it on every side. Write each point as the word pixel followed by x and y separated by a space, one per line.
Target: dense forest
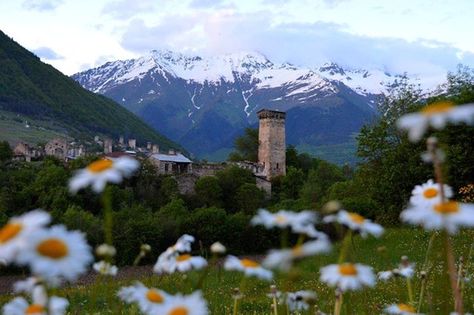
pixel 149 209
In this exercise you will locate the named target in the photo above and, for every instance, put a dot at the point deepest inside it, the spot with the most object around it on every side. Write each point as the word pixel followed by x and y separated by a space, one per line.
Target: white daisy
pixel 105 268
pixel 248 267
pixel 149 300
pixel 56 253
pixel 401 309
pixel 283 259
pixel 348 276
pixel 429 193
pixel 436 115
pixel 193 304
pixel 283 219
pixel 20 306
pixel 355 222
pixel 180 263
pixel 183 244
pixel 99 173
pixel 385 275
pixel 13 234
pixel 450 215
pixel 309 230
pixel 300 300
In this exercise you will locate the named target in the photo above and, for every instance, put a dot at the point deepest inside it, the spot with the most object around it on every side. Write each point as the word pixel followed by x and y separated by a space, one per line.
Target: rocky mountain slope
pixel 204 103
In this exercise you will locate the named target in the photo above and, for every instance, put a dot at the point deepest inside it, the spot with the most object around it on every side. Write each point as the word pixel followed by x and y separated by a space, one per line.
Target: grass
pixel 13 129
pixel 382 254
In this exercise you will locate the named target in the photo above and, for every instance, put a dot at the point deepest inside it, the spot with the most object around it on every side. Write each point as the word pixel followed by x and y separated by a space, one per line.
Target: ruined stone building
pixel 57 147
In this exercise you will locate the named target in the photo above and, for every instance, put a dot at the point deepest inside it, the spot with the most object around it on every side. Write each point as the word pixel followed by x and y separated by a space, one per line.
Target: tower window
pixel 277 166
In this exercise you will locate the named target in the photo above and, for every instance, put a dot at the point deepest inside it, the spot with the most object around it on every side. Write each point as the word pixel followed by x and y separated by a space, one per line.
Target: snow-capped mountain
pixel 205 102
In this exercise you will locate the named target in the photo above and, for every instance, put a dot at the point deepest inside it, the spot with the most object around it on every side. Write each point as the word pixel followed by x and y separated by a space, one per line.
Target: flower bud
pixel 218 248
pixel 105 250
pixel 332 206
pixel 145 248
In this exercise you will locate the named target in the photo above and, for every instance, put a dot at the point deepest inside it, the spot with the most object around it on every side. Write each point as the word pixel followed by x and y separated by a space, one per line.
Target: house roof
pixel 178 157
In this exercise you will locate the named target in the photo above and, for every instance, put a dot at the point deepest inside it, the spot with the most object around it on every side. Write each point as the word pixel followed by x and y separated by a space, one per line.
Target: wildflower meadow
pixel 350 271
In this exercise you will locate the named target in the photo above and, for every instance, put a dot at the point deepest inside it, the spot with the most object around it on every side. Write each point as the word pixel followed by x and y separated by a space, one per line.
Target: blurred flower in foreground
pixel 175 257
pixel 13 234
pixel 99 173
pixel 105 268
pixel 149 300
pixel 56 253
pixel 193 304
pixel 300 300
pixel 355 222
pixel 405 269
pixel 248 267
pixel 401 309
pixel 436 115
pixel 283 219
pixel 180 263
pixel 283 258
pixel 449 215
pixel 348 276
pixel 20 306
pixel 429 193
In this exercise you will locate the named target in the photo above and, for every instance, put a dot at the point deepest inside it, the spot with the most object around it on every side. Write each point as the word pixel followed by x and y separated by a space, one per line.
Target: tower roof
pixel 270 113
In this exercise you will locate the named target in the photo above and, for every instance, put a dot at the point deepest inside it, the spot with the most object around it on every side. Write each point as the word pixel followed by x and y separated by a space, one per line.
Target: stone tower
pixel 272 145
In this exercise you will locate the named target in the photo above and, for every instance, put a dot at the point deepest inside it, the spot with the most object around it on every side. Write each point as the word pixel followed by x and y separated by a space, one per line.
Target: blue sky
pixel 417 36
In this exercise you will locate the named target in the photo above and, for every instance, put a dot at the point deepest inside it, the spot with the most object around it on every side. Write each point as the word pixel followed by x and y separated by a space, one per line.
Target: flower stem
pixel 410 291
pixel 108 215
pixel 458 303
pixel 338 304
pixel 346 243
pixel 236 306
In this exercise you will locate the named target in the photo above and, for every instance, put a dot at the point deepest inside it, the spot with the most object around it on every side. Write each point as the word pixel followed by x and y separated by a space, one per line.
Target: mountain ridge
pixel 204 103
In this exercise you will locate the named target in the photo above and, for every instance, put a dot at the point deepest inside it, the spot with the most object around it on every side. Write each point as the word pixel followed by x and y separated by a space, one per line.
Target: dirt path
pixel 6 282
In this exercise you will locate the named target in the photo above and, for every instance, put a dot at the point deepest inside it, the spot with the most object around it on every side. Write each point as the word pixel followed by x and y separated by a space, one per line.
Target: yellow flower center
pixel 347 269
pixel 297 250
pixel 181 310
pixel 53 248
pixel 247 263
pixel 34 309
pixel 448 207
pixel 406 308
pixel 281 219
pixel 9 231
pixel 356 218
pixel 430 193
pixel 183 257
pixel 100 165
pixel 437 108
pixel 154 296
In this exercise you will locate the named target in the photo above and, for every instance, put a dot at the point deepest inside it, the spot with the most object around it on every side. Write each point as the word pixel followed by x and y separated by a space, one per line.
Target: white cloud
pixel 310 44
pixel 124 9
pixel 41 5
pixel 47 53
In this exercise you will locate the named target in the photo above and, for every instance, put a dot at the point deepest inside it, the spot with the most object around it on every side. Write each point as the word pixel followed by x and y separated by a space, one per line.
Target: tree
pixel 208 191
pixel 246 147
pixel 291 183
pixel 392 165
pixel 6 152
pixel 249 198
pixel 320 178
pixel 230 179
